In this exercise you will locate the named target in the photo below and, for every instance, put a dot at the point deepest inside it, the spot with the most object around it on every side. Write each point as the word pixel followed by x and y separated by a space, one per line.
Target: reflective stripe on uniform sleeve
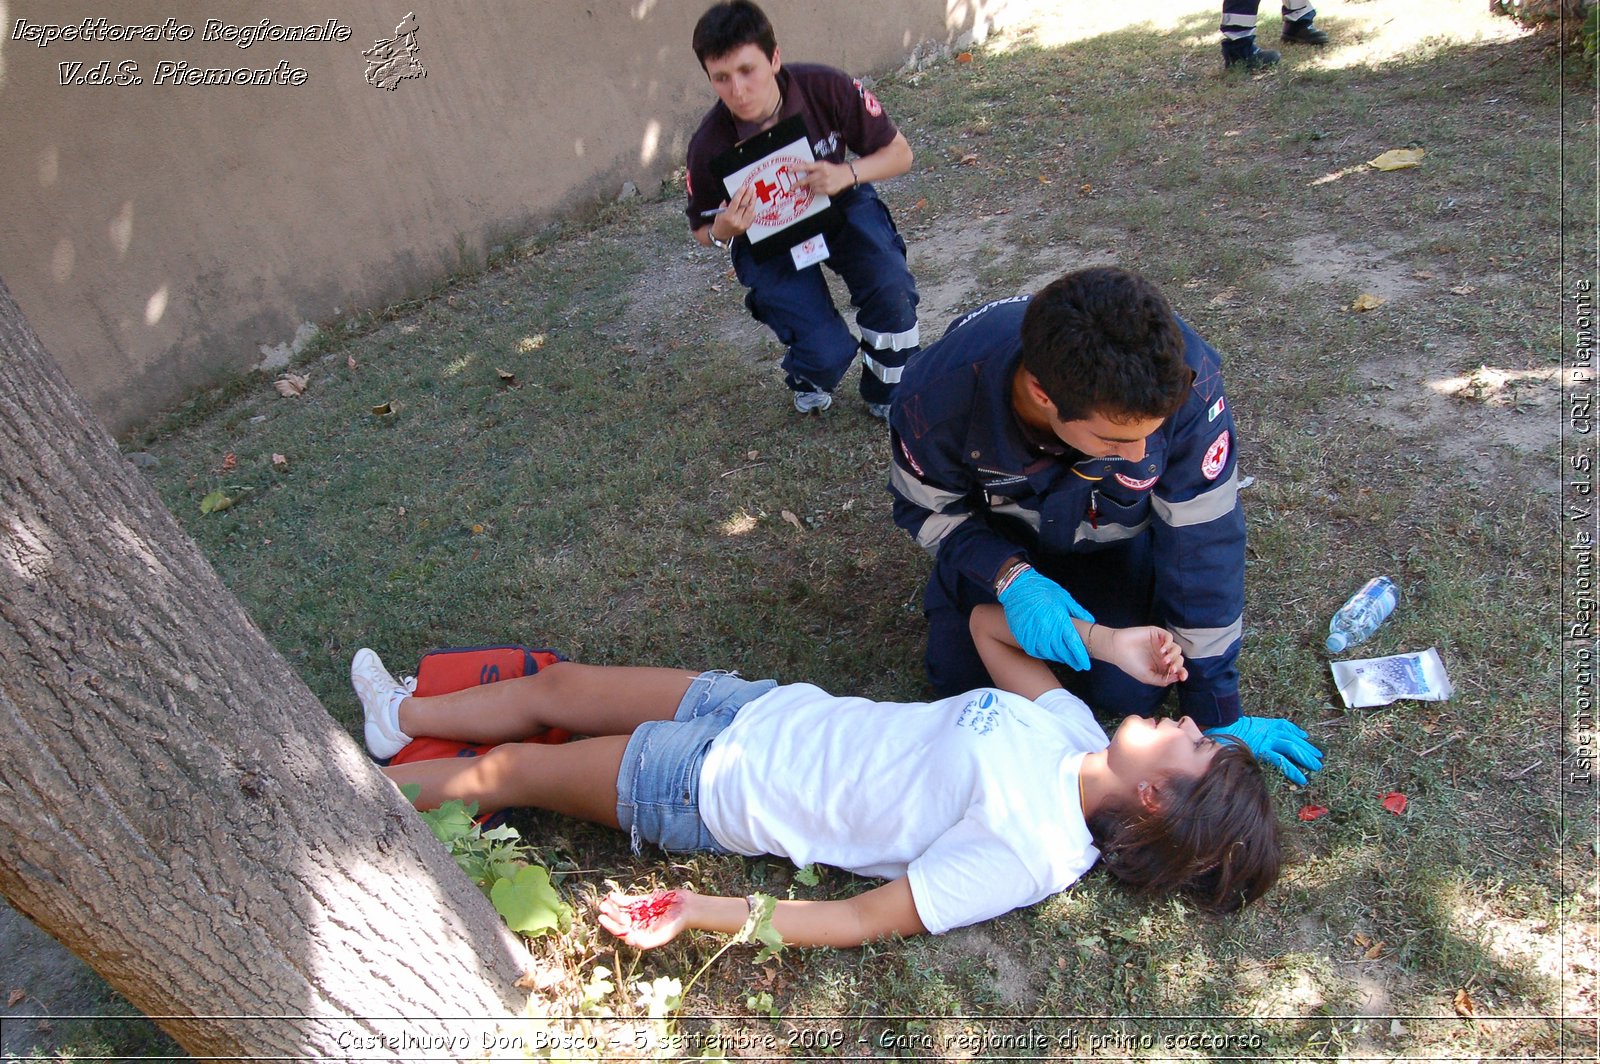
pixel 886 374
pixel 1200 643
pixel 925 496
pixel 1218 502
pixel 1010 509
pixel 1107 531
pixel 935 529
pixel 899 341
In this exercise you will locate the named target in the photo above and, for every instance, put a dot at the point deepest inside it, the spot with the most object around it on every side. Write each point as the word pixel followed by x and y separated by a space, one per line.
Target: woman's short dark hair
pixel 730 26
pixel 1104 341
pixel 1214 838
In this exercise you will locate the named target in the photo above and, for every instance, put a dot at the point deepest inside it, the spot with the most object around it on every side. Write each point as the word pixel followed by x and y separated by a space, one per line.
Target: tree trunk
pixel 175 806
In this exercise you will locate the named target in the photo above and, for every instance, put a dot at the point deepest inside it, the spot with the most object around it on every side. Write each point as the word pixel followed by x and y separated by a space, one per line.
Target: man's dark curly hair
pixel 1213 840
pixel 1105 341
pixel 730 26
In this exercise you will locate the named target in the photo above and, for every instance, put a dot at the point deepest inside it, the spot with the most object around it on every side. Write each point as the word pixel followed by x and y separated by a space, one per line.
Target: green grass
pixel 622 498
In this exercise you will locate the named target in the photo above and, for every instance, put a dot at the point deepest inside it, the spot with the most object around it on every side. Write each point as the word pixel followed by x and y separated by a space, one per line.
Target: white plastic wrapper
pixel 1379 681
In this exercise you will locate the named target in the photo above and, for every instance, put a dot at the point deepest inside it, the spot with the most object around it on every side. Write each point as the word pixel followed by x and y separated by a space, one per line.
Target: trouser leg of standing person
pixel 797 307
pixel 1239 36
pixel 870 255
pixel 1298 27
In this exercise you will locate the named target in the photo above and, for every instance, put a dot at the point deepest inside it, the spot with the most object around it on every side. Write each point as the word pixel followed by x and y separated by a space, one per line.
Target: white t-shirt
pixel 974 797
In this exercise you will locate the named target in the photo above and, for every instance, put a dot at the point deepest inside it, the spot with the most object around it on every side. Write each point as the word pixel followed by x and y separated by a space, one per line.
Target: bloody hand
pixel 647 921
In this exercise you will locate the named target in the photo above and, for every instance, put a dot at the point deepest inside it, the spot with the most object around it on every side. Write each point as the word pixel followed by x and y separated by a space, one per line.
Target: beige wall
pixel 160 237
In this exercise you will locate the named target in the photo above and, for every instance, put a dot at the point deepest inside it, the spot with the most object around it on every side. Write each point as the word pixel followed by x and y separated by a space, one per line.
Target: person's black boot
pixel 1243 51
pixel 1301 31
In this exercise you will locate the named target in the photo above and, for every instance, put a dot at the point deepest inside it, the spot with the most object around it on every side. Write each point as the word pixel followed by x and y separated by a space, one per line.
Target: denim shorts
pixel 658 784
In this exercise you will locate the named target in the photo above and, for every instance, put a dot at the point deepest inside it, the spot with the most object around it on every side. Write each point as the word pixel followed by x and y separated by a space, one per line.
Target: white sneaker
pixel 812 402
pixel 879 410
pixel 380 699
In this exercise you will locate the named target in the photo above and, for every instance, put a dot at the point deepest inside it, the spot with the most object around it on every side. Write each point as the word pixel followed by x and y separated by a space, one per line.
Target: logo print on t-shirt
pixel 874 108
pixel 781 194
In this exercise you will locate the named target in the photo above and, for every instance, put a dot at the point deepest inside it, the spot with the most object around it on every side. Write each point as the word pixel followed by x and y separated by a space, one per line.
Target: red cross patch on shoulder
pixel 1216 457
pixel 874 108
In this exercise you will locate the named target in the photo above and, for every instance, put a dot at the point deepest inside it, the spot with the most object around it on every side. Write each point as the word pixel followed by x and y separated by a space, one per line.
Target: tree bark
pixel 175 806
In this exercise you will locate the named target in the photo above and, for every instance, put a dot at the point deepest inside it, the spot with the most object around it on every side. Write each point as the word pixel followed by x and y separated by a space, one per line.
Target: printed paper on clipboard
pixel 771 161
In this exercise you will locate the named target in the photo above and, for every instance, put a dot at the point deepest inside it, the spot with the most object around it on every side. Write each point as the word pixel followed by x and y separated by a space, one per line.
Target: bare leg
pixel 578 778
pixel 588 699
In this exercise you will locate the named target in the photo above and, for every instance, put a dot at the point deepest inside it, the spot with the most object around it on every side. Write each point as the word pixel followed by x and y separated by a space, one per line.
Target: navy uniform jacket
pixel 970 488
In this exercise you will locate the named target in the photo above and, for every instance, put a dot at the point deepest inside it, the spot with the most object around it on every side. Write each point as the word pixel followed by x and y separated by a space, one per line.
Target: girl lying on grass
pixel 970 806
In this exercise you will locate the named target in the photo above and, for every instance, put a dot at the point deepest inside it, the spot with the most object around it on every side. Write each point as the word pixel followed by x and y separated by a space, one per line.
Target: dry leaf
pixel 1043 180
pixel 350 360
pixel 921 204
pixel 477 530
pixel 402 511
pixel 1313 812
pixel 230 461
pixel 16 997
pixel 280 461
pixel 506 376
pixel 1086 188
pixel 291 384
pixel 1422 275
pixel 970 157
pixel 1464 1005
pixel 1395 802
pixel 788 515
pixel 1376 951
pixel 1398 159
pixel 1463 290
pixel 216 501
pixel 964 57
pixel 752 455
pixel 1361 939
pixel 383 409
pixel 1367 301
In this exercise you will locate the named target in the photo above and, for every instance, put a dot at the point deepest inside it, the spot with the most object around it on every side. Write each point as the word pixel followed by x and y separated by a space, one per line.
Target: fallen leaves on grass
pixel 1395 802
pixel 230 461
pixel 291 385
pixel 383 409
pixel 1371 948
pixel 350 361
pixel 1398 159
pixel 964 57
pixel 16 997
pixel 788 515
pixel 1367 301
pixel 1311 811
pixel 1463 1003
pixel 280 461
pixel 220 499
pixel 507 378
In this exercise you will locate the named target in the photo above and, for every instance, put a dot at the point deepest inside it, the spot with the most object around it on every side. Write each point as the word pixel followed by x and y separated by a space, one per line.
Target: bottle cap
pixel 1336 642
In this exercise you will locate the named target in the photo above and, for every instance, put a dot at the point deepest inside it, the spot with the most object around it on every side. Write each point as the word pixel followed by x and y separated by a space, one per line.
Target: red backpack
pixel 443 671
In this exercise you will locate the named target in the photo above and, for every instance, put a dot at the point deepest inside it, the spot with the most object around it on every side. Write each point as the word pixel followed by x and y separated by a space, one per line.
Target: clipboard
pixel 789 214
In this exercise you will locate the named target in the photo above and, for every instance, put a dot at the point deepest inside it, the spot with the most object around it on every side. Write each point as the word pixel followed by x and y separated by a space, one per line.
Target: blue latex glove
pixel 1277 742
pixel 1039 613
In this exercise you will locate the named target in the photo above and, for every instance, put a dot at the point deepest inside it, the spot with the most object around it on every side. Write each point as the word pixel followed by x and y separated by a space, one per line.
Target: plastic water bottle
pixel 1362 613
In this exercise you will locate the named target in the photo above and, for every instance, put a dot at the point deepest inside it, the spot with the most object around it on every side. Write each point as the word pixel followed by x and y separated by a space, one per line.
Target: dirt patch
pixel 38 978
pixel 1321 260
pixel 1011 982
pixel 1489 417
